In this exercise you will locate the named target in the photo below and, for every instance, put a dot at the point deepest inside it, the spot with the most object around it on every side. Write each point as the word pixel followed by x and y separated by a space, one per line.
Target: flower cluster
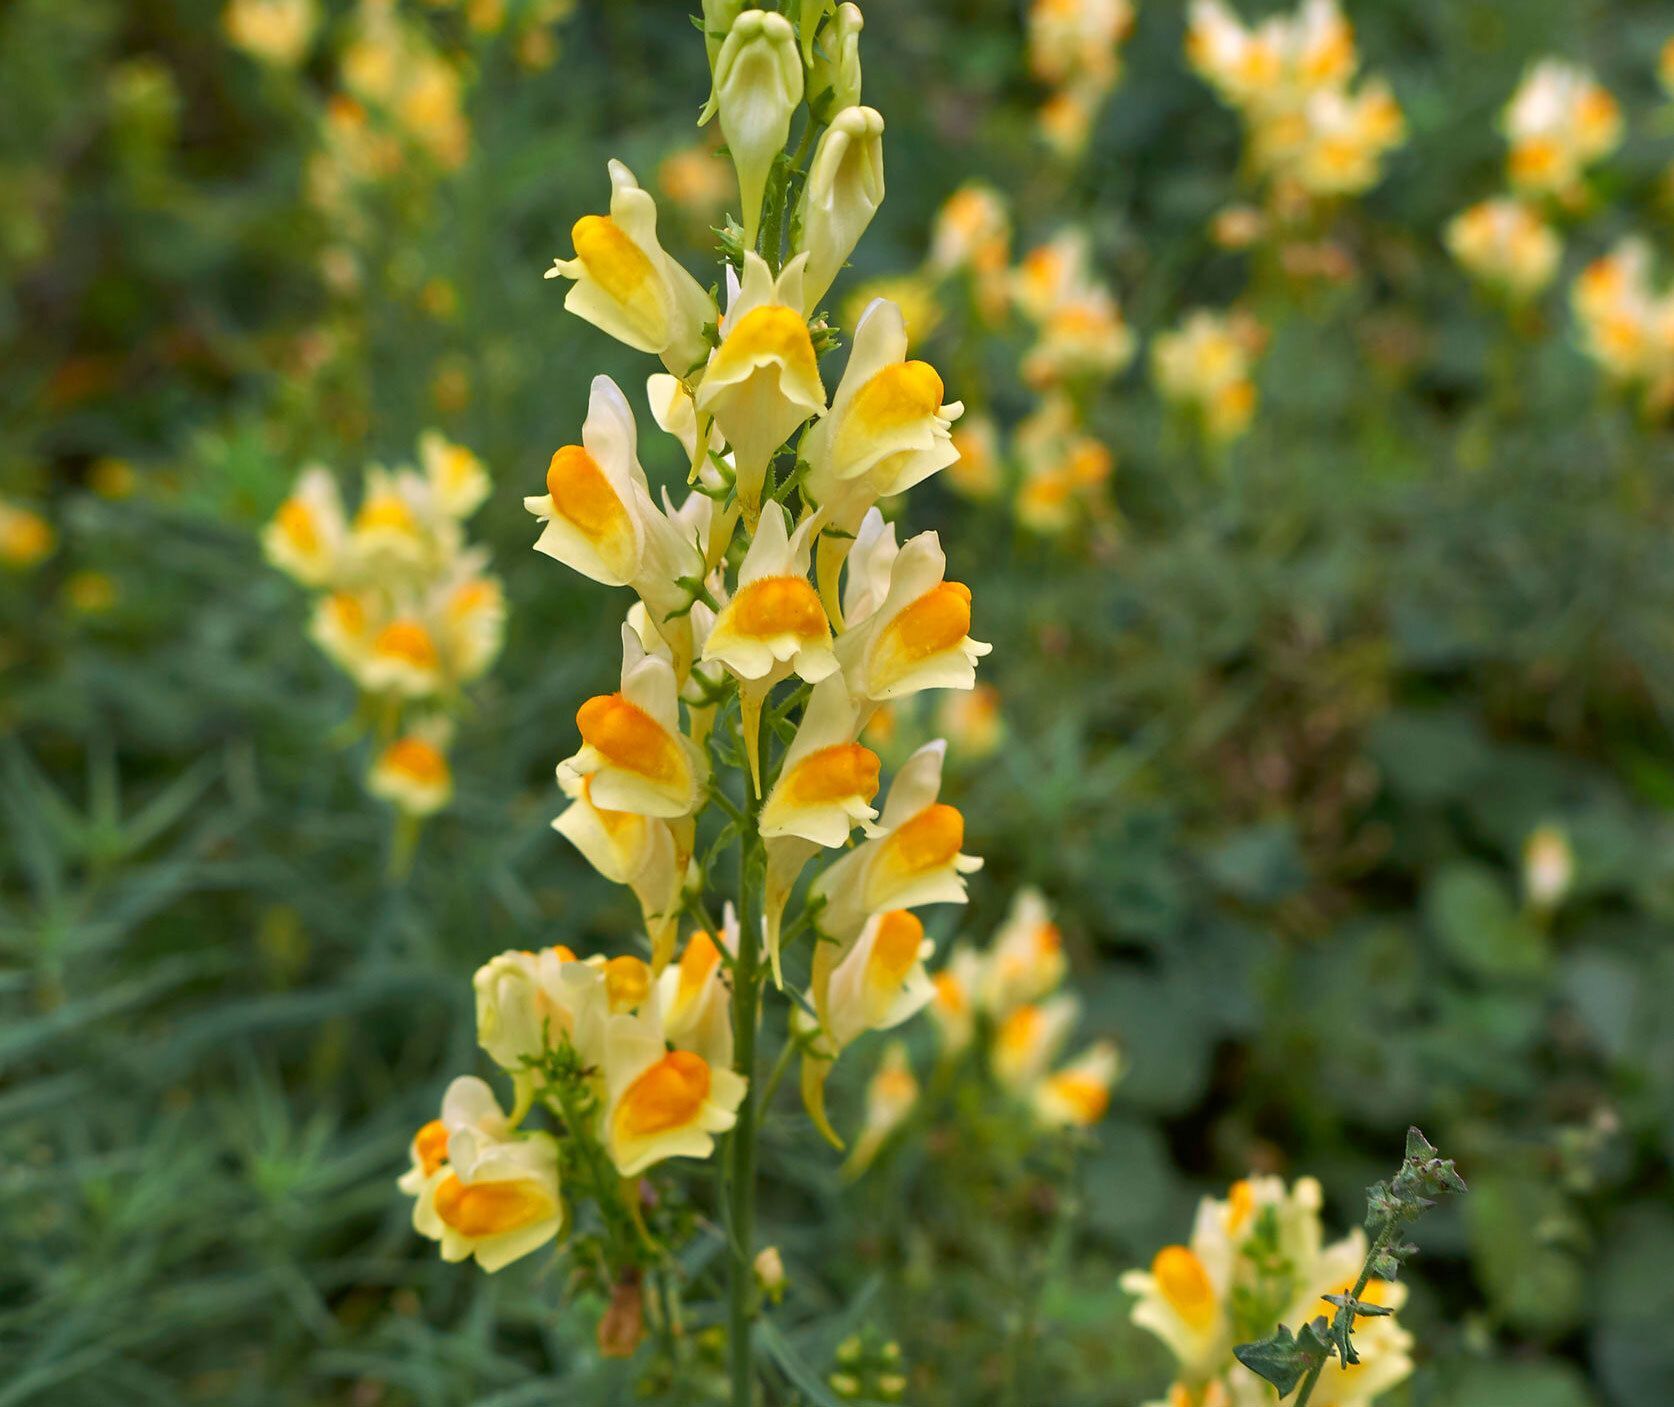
pixel 1205 367
pixel 633 1070
pixel 1312 132
pixel 1006 1001
pixel 1075 49
pixel 775 609
pixel 1559 122
pixel 1080 342
pixel 1507 246
pixel 404 606
pixel 1627 324
pixel 1254 1260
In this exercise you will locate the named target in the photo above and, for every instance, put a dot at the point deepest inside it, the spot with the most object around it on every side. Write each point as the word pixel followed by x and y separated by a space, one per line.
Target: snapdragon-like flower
pixel 412 771
pixel 1627 325
pixel 912 860
pixel 891 1095
pixel 1559 122
pixel 774 624
pixel 758 83
pixel 632 752
pixel 1205 365
pixel 627 286
pixel 1505 244
pixel 307 536
pixel 1026 959
pixel 600 519
pixel 661 1103
pixel 918 635
pixel 834 74
pixel 694 997
pixel 845 188
pixel 1078 1094
pixel 480 1189
pixel 763 381
pixel 888 430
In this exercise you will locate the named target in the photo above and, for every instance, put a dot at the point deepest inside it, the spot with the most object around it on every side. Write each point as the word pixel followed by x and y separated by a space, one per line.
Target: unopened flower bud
pixel 1548 867
pixel 845 189
pixel 834 74
pixel 770 1273
pixel 758 83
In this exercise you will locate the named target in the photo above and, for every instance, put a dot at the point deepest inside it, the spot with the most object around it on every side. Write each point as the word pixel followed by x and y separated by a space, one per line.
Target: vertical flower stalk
pixel 720 768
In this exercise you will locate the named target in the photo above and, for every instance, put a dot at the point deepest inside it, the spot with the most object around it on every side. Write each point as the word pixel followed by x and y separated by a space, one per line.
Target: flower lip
pixel 479 1209
pixel 628 737
pixel 668 1096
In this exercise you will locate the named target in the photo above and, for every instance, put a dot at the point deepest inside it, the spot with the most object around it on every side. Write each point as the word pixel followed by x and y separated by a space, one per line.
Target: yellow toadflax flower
pixel 758 83
pixel 917 636
pixel 694 997
pixel 274 31
pixel 845 188
pixel 480 1189
pixel 661 1103
pixel 308 535
pixel 1558 123
pixel 1205 367
pixel 1078 1094
pixel 633 754
pixel 627 286
pixel 763 381
pixel 1505 244
pixel 412 772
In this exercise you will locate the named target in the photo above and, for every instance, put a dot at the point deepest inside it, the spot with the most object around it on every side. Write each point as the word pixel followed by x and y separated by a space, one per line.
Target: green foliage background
pixel 1274 756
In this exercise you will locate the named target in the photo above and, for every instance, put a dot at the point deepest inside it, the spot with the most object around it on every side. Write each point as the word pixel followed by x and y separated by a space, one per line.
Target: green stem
pixel 1379 1244
pixel 741 1147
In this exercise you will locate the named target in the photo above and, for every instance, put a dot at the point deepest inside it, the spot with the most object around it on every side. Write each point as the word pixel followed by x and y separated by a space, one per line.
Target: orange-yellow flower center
pixel 928 840
pixel 627 982
pixel 583 496
pixel 1184 1283
pixel 491 1208
pixel 773 332
pixel 619 265
pixel 430 1144
pixel 667 1096
pixel 899 395
pixel 347 611
pixel 895 948
pixel 296 522
pixel 1084 1097
pixel 778 605
pixel 628 737
pixel 833 774
pixel 936 622
pixel 418 760
pixel 1019 1032
pixel 1240 1204
pixel 386 511
pixel 408 641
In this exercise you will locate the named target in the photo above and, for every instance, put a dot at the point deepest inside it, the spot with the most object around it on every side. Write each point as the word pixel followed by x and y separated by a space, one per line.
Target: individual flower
pixel 834 75
pixel 1627 326
pixel 826 779
pixel 627 286
pixel 403 659
pixel 891 1095
pixel 1559 122
pixel 528 1001
pixel 1205 367
pixel 844 190
pixel 957 992
pixel 888 429
pixel 648 854
pixel 480 1189
pixel 26 538
pixel 1029 1038
pixel 913 859
pixel 412 771
pixel 1548 867
pixel 1065 471
pixel 877 983
pixel 694 995
pixel 970 721
pixel 1026 960
pixel 307 536
pixel 774 624
pixel 661 1103
pixel 1077 1095
pixel 976 474
pixel 632 752
pixel 390 529
pixel 758 83
pixel 458 482
pixel 600 520
pixel 918 636
pixel 1071 39
pixel 1505 244
pixel 763 381
pixel 275 31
